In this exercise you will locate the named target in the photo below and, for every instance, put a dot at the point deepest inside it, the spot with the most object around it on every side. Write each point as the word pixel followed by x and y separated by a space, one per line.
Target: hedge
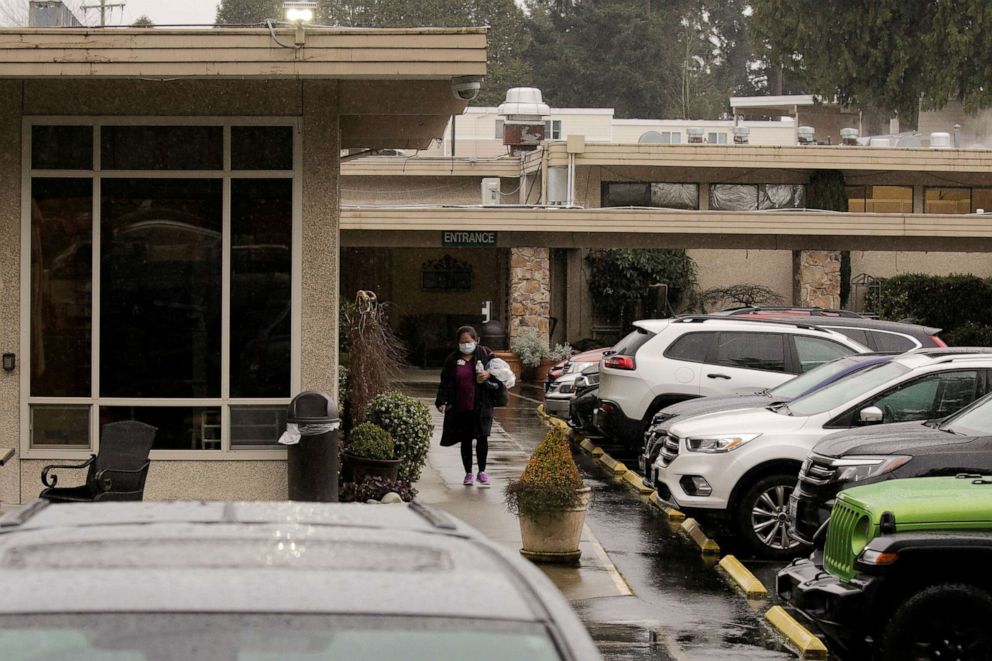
pixel 959 304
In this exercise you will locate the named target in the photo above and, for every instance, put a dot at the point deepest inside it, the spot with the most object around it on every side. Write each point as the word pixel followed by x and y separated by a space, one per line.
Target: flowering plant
pixel 551 480
pixel 530 347
pixel 409 423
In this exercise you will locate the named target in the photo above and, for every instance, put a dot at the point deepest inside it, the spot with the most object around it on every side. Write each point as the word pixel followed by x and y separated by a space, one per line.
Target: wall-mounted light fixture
pixel 300 11
pixel 9 362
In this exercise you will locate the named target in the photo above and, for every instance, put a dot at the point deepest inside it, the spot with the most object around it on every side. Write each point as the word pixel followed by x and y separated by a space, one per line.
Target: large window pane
pixel 261 268
pixel 947 200
pixel 61 286
pixel 180 428
pixel 262 147
pixel 781 196
pixel 162 148
pixel 733 197
pixel 626 195
pixel 161 288
pixel 257 426
pixel 60 426
pixel 62 147
pixel 753 351
pixel 890 199
pixel 675 196
pixel 981 199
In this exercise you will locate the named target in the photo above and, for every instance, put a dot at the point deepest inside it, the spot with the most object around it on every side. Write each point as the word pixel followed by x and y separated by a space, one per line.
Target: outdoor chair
pixel 117 473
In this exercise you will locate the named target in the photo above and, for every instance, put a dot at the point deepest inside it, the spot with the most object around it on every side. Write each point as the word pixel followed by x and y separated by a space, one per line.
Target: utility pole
pixel 103 7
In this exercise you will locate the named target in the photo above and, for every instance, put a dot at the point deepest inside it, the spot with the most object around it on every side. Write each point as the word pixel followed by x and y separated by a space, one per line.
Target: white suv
pixel 666 361
pixel 744 463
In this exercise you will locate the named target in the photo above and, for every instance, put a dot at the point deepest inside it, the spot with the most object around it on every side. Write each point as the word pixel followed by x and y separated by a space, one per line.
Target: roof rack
pixel 950 353
pixel 432 516
pixel 23 515
pixel 813 311
pixel 697 318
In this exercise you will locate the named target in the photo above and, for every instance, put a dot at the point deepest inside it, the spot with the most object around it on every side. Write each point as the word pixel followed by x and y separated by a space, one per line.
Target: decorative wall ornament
pixel 446 274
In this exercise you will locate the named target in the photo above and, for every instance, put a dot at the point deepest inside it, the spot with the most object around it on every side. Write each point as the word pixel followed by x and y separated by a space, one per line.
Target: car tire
pixel 761 518
pixel 942 621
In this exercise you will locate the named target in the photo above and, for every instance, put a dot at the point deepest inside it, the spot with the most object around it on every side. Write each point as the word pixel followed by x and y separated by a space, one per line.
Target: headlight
pixel 717 444
pixel 566 388
pixel 853 469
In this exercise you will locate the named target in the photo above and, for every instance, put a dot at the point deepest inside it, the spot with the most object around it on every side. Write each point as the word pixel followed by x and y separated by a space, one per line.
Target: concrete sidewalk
pixel 483 508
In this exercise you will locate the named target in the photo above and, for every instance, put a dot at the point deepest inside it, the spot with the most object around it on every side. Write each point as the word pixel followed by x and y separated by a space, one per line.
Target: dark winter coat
pixel 482 423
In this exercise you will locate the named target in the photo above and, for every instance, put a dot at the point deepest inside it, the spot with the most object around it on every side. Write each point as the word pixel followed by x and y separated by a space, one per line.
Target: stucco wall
pixel 411 190
pixel 10 230
pixel 722 268
pixel 887 264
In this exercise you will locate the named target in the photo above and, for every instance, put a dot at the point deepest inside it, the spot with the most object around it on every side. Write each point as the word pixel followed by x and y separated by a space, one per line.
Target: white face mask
pixel 466 347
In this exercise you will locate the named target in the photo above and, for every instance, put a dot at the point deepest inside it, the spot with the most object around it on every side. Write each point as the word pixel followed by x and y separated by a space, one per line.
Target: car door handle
pixel 717 376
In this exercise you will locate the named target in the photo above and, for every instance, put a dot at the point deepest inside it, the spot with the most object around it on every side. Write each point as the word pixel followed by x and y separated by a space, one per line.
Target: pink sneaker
pixel 468 481
pixel 483 478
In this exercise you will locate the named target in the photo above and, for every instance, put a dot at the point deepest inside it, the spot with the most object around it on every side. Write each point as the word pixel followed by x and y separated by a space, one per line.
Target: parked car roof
pixel 874 324
pixel 267 558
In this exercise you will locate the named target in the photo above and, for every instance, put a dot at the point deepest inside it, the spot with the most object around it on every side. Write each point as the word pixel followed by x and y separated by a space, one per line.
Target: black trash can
pixel 313 462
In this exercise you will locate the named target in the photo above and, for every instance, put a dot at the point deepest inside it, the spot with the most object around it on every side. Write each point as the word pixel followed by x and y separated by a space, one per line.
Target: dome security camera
pixel 466 88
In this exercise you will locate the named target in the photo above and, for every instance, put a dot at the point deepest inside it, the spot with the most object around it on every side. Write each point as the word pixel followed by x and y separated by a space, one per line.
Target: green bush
pixel 959 304
pixel 551 480
pixel 371 441
pixel 375 487
pixel 530 347
pixel 409 423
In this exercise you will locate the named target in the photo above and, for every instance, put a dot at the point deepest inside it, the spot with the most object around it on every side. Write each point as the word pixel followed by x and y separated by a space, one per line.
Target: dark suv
pixel 960 443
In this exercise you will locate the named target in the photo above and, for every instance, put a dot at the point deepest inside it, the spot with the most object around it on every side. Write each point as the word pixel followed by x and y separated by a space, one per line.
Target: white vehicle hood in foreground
pixel 740 421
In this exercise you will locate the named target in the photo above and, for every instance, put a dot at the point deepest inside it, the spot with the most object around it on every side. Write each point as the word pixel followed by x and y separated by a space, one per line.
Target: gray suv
pixel 305 581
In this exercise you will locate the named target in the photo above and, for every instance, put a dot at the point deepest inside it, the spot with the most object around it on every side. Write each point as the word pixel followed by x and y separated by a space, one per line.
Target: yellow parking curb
pixel 635 482
pixel 672 513
pixel 691 528
pixel 590 447
pixel 617 467
pixel 809 646
pixel 742 576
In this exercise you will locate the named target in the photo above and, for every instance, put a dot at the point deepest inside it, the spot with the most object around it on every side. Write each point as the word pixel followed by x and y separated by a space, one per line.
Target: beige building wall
pixel 887 264
pixel 400 191
pixel 408 298
pixel 316 102
pixel 10 278
pixel 722 268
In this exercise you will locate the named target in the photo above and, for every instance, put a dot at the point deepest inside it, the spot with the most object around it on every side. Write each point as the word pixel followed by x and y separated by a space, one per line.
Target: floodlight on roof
pixel 300 11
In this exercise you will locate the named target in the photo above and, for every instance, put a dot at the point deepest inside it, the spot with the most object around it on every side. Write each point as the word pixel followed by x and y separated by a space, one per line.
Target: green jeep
pixel 904 572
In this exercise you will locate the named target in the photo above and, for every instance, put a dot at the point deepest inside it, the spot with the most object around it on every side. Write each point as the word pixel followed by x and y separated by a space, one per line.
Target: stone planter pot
pixel 359 468
pixel 540 374
pixel 553 537
pixel 513 360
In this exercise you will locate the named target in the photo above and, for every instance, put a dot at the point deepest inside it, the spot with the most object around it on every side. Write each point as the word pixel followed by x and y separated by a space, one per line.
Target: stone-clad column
pixel 817 278
pixel 530 290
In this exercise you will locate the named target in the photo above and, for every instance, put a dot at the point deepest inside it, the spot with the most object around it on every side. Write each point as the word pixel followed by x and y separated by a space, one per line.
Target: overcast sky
pixel 166 12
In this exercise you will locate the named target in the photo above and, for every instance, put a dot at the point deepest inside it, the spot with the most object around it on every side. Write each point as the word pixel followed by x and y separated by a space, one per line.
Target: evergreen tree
pixel 248 12
pixel 506 21
pixel 883 54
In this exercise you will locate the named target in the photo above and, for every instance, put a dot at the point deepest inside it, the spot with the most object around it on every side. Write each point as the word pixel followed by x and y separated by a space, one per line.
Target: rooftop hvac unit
pixel 806 135
pixel 879 142
pixel 695 135
pixel 490 192
pixel 849 136
pixel 557 185
pixel 741 135
pixel 940 140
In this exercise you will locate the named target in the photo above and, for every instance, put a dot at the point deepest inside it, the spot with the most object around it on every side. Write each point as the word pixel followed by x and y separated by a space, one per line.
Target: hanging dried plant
pixel 376 353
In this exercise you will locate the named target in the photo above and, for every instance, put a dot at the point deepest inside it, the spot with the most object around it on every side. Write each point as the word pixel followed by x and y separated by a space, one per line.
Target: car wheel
pixel 948 621
pixel 762 517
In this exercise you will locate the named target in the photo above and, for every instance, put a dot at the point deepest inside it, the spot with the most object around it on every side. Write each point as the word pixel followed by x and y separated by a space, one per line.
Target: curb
pixel 590 448
pixel 672 513
pixel 617 467
pixel 808 645
pixel 634 481
pixel 742 576
pixel 691 528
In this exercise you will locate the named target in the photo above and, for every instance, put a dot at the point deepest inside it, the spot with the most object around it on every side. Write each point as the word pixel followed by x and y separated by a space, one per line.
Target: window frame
pixel 225 402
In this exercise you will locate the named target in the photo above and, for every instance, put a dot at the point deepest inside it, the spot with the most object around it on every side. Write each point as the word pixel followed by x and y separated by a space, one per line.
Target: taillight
pixel 619 362
pixel 939 342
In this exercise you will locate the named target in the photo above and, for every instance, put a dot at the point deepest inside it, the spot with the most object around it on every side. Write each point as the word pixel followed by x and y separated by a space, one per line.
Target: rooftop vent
pixel 523 115
pixel 849 136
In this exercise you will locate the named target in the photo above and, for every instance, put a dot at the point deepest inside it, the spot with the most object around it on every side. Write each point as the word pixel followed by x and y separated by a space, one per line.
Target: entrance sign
pixel 459 239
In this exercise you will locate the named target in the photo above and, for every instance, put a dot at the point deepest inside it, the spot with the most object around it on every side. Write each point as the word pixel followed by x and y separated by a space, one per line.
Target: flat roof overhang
pixel 427 166
pixel 613 227
pixel 752 157
pixel 395 83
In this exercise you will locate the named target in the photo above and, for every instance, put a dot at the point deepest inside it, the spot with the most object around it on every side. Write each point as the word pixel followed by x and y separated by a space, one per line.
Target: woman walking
pixel 466 397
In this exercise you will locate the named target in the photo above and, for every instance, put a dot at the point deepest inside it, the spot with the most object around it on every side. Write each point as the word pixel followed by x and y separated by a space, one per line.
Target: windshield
pixel 976 420
pixel 815 377
pixel 845 390
pixel 233 637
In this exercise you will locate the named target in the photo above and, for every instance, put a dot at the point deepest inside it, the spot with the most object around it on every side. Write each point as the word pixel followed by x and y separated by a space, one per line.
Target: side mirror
pixel 871 415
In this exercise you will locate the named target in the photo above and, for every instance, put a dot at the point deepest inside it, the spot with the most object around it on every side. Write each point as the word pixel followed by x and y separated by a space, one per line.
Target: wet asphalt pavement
pixel 681 608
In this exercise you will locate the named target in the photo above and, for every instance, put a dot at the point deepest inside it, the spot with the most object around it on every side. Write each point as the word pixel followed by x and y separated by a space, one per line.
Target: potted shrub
pixel 534 353
pixel 369 452
pixel 408 421
pixel 550 501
